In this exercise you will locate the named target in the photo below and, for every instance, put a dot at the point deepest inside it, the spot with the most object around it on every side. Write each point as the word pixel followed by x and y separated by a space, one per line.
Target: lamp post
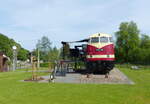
pixel 14 57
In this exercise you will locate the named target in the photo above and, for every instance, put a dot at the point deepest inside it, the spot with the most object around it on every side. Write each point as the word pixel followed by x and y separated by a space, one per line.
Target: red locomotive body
pixel 106 50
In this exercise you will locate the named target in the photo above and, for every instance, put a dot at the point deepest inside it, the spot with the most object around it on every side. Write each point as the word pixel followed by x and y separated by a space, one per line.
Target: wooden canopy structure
pixel 3 62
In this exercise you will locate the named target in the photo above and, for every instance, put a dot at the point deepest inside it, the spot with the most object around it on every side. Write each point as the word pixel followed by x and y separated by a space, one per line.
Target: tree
pixel 145 49
pixel 6 45
pixel 127 42
pixel 44 46
pixel 54 54
pixel 23 54
pixel 145 41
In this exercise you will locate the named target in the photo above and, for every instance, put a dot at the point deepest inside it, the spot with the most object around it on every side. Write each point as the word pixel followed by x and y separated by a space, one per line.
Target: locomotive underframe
pixel 102 67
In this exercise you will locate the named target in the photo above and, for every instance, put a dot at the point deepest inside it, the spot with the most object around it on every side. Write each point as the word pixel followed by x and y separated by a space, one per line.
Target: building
pixel 3 62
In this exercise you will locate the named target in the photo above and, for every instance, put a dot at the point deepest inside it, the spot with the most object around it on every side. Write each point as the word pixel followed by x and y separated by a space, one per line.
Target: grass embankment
pixel 12 91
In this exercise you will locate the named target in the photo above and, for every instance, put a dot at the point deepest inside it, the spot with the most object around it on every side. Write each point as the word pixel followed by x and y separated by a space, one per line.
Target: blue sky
pixel 26 21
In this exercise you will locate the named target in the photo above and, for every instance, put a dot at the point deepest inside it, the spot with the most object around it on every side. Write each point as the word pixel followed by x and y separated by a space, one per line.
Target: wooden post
pixel 34 68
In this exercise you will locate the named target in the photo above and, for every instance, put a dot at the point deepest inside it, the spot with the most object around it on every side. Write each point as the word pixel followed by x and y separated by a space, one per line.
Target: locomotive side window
pixel 95 40
pixel 103 39
pixel 110 39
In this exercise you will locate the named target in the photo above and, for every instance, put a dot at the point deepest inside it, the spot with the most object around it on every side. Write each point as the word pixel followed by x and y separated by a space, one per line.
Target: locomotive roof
pixel 100 34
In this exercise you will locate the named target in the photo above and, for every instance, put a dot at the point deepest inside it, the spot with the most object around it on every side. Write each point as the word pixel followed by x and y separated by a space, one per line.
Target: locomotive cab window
pixel 103 39
pixel 95 40
pixel 111 39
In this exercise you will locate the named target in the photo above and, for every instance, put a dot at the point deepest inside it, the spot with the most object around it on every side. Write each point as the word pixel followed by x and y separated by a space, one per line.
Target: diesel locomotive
pixel 97 53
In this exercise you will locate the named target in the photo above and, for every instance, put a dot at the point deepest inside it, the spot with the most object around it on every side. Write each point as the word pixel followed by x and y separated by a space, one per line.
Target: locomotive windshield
pixel 103 39
pixel 95 40
pixel 111 39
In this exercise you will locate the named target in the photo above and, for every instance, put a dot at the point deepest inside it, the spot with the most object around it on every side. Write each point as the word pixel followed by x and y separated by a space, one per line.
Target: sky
pixel 26 21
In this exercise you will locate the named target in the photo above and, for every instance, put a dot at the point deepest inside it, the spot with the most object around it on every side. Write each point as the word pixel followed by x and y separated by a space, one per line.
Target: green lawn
pixel 12 91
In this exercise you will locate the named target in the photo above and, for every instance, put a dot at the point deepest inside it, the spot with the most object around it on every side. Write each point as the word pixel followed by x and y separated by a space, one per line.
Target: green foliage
pixel 145 41
pixel 130 47
pixel 23 54
pixel 47 52
pixel 44 47
pixel 6 45
pixel 45 64
pixel 127 41
pixel 53 54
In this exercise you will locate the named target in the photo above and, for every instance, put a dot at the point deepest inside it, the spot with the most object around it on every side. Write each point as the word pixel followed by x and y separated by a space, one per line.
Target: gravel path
pixel 115 77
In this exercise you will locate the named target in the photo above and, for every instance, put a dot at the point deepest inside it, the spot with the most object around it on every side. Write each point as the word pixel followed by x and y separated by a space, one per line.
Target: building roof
pixel 3 55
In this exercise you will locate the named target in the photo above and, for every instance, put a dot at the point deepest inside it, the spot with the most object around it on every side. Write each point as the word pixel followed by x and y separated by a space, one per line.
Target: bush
pixel 46 64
